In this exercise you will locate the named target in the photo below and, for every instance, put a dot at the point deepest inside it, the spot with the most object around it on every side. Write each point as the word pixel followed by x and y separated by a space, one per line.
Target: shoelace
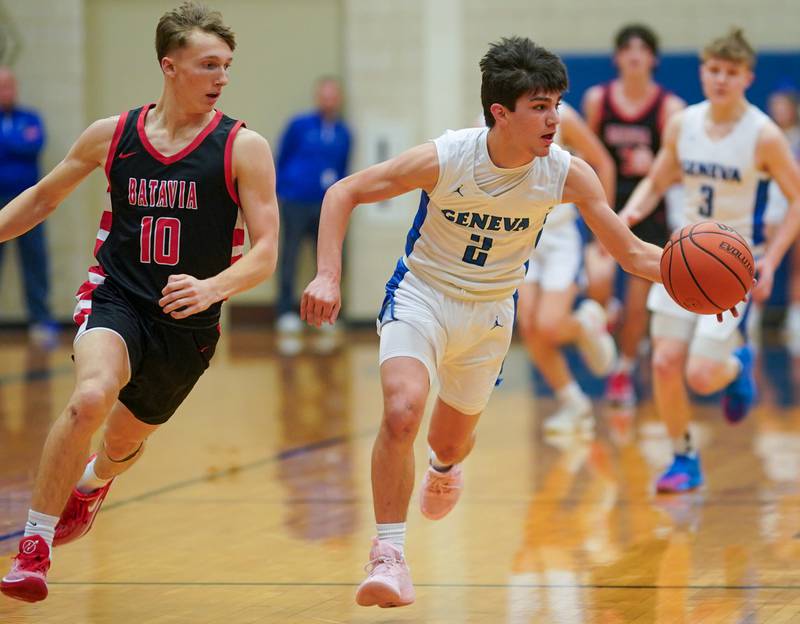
pixel 35 562
pixel 441 485
pixel 382 559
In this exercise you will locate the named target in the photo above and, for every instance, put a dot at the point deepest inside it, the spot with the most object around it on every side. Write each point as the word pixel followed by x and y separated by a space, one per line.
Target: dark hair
pixel 175 26
pixel 636 31
pixel 514 66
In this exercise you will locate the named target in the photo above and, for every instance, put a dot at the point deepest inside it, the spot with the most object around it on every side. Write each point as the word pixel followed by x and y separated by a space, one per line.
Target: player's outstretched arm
pixel 254 172
pixel 774 156
pixel 633 254
pixel 665 172
pixel 417 168
pixel 35 204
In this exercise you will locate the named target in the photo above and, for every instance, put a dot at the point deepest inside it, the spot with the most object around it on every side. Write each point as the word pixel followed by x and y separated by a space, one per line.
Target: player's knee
pixel 402 413
pixel 90 403
pixel 667 364
pixel 702 377
pixel 548 331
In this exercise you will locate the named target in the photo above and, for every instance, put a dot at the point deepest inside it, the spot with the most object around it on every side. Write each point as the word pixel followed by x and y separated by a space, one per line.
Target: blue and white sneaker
pixel 740 395
pixel 683 475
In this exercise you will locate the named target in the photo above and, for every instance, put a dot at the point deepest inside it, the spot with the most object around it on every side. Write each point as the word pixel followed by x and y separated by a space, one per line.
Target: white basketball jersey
pixel 720 178
pixel 469 244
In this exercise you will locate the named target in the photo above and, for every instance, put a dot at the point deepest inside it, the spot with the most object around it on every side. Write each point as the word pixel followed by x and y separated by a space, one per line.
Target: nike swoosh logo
pixel 8 580
pixel 127 155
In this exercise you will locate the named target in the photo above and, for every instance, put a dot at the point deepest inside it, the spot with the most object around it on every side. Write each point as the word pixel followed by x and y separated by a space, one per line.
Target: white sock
pixel 625 364
pixel 90 482
pixel 571 393
pixel 682 445
pixel 43 525
pixel 438 465
pixel 394 533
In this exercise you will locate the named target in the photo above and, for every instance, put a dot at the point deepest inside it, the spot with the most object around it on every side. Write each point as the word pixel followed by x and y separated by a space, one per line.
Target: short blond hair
pixel 175 26
pixel 731 47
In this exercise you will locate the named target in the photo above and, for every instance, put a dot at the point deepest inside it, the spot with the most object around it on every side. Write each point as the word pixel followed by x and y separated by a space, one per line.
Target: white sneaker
pixel 326 339
pixel 289 323
pixel 289 334
pixel 573 417
pixel 595 345
pixel 43 336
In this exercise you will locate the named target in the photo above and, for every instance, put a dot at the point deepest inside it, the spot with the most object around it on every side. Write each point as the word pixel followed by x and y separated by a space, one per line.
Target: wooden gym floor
pixel 254 505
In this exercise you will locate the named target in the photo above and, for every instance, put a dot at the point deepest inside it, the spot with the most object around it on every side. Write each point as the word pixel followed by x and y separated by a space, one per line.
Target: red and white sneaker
pixel 27 579
pixel 440 491
pixel 388 583
pixel 79 513
pixel 620 389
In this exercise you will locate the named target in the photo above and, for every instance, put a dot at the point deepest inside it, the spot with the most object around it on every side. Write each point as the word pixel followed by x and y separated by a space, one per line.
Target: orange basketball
pixel 707 267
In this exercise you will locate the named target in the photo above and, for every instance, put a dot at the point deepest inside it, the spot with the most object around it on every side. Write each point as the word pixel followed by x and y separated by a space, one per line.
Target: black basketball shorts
pixel 165 361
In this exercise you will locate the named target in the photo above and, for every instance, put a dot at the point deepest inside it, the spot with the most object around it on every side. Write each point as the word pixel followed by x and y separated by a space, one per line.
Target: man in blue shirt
pixel 21 140
pixel 313 154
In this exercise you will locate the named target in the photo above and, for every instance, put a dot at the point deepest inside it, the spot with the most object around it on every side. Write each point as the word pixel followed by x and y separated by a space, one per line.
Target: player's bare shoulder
pixel 582 182
pixel 251 152
pixel 672 128
pixel 94 142
pixel 770 139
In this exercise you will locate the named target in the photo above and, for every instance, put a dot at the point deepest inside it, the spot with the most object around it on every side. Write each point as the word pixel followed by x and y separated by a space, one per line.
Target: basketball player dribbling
pixel 723 150
pixel 449 307
pixel 628 115
pixel 554 277
pixel 181 177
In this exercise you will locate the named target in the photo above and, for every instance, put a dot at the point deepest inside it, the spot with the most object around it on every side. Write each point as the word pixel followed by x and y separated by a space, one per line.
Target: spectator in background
pixel 313 154
pixel 21 141
pixel 783 109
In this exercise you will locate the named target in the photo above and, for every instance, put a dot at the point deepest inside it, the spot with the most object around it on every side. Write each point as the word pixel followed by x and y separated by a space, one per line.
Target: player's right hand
pixel 321 301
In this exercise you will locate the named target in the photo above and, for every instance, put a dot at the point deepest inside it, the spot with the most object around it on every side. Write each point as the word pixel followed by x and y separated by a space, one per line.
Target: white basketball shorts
pixel 557 261
pixel 463 343
pixel 705 336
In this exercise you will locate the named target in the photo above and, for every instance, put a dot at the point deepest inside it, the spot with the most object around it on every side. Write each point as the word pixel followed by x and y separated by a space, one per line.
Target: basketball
pixel 707 267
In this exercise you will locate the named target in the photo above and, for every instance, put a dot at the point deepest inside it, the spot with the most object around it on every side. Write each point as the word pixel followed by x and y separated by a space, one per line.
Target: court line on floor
pixel 428 585
pixel 283 455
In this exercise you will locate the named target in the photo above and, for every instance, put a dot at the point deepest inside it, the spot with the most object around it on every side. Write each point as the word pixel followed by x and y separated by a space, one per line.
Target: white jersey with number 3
pixel 472 245
pixel 720 178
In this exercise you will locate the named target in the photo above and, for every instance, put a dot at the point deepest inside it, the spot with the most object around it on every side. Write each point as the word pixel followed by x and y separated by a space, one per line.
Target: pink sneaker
pixel 79 514
pixel 27 579
pixel 388 583
pixel 440 491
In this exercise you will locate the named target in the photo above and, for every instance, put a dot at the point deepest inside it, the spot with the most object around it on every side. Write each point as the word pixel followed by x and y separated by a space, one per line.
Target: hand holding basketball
pixel 707 268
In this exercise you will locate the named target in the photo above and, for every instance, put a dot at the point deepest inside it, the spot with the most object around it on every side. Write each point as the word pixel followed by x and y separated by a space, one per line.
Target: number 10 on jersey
pixel 161 243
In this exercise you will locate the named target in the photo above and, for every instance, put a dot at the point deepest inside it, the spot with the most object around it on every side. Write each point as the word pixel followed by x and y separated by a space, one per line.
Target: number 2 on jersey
pixel 166 249
pixel 708 200
pixel 477 255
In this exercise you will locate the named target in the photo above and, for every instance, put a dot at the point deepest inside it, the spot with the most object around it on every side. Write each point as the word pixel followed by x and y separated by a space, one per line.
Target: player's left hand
pixel 766 276
pixel 185 295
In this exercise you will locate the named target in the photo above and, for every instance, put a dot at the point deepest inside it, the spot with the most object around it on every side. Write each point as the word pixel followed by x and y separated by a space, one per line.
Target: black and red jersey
pixel 622 134
pixel 168 215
